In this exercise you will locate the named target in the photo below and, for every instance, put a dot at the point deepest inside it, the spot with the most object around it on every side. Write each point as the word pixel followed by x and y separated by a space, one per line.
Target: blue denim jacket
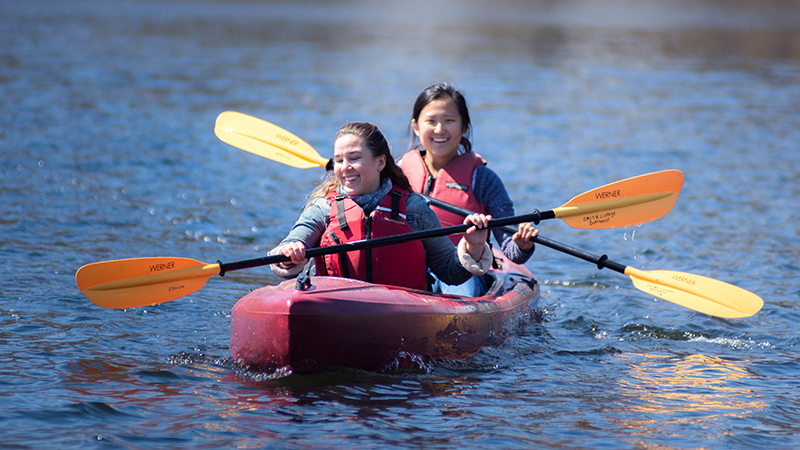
pixel 440 253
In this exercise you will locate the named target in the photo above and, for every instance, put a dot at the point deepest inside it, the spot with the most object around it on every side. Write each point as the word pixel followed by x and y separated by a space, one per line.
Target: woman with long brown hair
pixel 368 196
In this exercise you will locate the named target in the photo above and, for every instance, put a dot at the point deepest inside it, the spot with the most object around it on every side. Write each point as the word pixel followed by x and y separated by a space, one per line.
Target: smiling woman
pixel 368 196
pixel 444 167
pixel 356 170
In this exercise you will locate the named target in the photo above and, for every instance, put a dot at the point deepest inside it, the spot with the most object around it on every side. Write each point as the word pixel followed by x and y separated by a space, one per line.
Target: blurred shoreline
pixel 747 28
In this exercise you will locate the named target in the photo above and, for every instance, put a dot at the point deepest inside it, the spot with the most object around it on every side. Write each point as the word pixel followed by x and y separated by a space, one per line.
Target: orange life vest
pixel 398 265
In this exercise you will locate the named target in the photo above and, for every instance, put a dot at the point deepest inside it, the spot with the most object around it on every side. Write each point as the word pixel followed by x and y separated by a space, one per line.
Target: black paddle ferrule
pixel 601 261
pixel 537 217
pixel 329 166
pixel 221 268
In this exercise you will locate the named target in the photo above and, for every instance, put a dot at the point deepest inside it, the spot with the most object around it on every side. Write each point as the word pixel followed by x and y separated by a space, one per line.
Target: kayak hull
pixel 350 323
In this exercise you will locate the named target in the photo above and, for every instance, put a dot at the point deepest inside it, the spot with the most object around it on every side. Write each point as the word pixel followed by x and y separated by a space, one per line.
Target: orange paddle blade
pixel 627 202
pixel 267 140
pixel 130 283
pixel 706 295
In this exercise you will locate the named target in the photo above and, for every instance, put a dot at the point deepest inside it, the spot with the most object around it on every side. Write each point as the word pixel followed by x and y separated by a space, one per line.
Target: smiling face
pixel 356 169
pixel 439 129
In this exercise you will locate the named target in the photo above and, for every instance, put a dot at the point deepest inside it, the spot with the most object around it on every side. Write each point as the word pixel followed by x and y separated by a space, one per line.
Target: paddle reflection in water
pixel 663 395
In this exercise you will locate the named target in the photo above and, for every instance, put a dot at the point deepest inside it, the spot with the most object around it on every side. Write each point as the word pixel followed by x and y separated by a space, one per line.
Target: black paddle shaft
pixel 535 217
pixel 601 261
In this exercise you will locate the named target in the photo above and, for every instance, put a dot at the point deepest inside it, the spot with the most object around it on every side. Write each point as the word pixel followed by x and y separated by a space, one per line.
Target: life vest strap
pixel 396 196
pixel 340 212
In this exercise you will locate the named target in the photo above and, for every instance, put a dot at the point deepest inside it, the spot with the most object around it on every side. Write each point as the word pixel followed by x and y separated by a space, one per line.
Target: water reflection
pixel 660 395
pixel 134 387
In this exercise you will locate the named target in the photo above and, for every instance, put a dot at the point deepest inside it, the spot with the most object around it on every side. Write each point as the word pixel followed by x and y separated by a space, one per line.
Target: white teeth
pixel 440 140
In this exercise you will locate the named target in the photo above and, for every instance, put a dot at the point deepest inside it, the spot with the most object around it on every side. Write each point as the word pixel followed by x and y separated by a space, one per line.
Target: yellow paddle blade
pixel 131 283
pixel 265 139
pixel 627 202
pixel 706 295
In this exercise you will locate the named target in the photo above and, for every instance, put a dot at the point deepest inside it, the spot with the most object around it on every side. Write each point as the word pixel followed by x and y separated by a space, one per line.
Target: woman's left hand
pixel 523 235
pixel 476 235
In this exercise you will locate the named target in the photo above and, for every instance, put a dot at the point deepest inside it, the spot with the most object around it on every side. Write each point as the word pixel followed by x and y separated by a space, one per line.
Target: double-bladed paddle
pixel 649 197
pixel 130 283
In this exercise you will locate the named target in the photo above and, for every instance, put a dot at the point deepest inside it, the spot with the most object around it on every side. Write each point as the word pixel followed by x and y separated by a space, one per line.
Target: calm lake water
pixel 108 152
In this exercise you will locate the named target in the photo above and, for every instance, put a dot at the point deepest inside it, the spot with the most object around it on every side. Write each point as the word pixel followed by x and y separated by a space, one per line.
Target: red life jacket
pixel 398 265
pixel 453 184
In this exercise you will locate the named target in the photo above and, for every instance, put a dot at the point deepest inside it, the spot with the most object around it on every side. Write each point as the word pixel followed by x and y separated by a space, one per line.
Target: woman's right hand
pixel 296 251
pixel 476 235
pixel 523 236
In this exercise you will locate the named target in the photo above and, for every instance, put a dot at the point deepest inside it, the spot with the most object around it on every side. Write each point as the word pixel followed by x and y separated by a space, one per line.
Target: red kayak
pixel 349 323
